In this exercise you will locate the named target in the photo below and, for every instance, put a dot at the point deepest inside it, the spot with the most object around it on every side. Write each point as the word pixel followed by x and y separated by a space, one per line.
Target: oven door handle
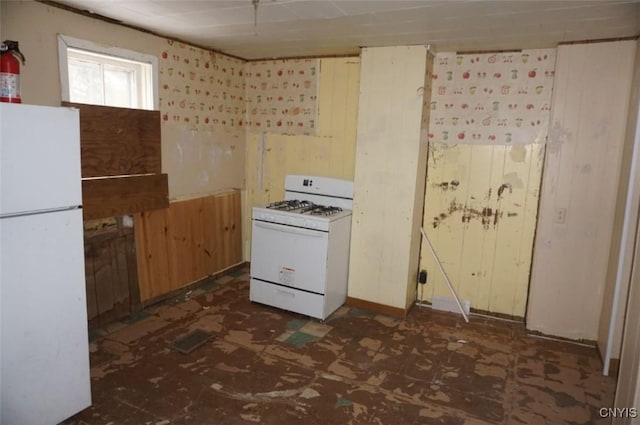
pixel 289 229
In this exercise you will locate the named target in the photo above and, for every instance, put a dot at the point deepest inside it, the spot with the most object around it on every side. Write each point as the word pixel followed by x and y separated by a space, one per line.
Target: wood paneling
pixel 482 234
pixel 389 169
pixel 581 177
pixel 110 270
pixel 118 141
pixel 111 196
pixel 186 242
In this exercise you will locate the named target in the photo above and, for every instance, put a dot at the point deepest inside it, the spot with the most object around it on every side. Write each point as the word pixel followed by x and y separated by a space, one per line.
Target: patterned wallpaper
pixel 282 96
pixel 492 98
pixel 201 89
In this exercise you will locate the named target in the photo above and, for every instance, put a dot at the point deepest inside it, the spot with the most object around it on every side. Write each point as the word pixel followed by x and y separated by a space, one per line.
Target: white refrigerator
pixel 44 353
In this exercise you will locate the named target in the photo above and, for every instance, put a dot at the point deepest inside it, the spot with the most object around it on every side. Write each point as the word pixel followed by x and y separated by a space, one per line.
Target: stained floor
pixel 267 366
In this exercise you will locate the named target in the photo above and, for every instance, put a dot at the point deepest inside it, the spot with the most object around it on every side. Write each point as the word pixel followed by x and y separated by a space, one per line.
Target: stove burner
pixel 304 207
pixel 289 205
pixel 324 210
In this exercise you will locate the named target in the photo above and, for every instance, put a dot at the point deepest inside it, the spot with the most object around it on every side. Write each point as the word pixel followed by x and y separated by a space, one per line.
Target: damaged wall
pixel 579 190
pixel 275 151
pixel 202 108
pixel 489 118
pixel 200 157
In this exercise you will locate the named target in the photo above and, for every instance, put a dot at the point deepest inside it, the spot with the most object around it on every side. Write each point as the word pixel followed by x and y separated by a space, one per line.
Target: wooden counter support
pixel 186 242
pixel 121 161
pixel 112 196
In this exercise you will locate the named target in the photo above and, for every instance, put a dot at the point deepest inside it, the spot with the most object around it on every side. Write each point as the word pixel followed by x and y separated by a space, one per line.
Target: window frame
pixel 66 42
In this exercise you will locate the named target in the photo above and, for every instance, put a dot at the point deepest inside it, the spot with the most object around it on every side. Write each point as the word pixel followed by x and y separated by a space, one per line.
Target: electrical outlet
pixel 422 277
pixel 560 216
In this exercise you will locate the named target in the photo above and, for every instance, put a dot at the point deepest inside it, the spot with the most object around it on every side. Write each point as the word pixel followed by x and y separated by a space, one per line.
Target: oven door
pixel 289 256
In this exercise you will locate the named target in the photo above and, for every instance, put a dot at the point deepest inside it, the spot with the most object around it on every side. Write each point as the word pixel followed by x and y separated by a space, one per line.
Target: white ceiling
pixel 294 28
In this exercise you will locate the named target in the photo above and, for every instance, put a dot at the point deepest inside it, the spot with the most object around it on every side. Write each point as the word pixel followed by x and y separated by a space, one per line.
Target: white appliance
pixel 300 247
pixel 44 349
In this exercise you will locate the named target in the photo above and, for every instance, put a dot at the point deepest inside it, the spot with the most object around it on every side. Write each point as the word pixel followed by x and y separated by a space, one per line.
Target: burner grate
pixel 289 205
pixel 325 210
pixel 304 207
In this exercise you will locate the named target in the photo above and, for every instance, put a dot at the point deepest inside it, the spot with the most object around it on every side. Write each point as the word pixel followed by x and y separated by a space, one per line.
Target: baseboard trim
pixel 377 308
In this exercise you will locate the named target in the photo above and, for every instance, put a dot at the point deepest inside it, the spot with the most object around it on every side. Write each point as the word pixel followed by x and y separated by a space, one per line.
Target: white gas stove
pixel 300 247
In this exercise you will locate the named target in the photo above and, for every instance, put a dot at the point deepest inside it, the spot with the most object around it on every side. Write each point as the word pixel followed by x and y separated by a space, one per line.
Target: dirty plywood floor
pixel 267 366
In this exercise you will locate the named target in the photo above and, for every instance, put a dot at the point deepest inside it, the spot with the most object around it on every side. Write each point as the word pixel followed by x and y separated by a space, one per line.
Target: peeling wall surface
pixel 202 107
pixel 579 190
pixel 388 156
pixel 489 119
pixel 271 155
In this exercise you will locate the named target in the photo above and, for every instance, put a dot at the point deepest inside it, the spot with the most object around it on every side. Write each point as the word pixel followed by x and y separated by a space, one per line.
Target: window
pixel 109 76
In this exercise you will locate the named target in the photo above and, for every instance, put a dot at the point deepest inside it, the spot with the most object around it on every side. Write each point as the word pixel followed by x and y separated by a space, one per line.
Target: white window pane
pixel 85 82
pixel 119 87
pixel 111 80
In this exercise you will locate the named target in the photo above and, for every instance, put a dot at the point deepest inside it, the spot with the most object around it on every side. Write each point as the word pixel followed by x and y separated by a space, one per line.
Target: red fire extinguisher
pixel 10 58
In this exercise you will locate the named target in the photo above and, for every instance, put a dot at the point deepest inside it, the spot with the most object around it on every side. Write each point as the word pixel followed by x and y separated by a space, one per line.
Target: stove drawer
pixel 289 256
pixel 287 298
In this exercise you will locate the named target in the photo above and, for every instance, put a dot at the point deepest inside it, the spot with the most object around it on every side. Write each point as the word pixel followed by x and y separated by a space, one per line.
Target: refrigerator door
pixel 39 158
pixel 44 356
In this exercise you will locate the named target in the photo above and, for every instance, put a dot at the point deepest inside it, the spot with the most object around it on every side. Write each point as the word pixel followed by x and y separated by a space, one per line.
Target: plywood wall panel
pixel 187 241
pixel 118 141
pixel 112 196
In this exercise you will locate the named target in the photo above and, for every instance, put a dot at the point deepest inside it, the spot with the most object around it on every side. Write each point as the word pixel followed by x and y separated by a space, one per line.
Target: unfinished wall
pixel 579 189
pixel 271 155
pixel 489 118
pixel 388 172
pixel 200 157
